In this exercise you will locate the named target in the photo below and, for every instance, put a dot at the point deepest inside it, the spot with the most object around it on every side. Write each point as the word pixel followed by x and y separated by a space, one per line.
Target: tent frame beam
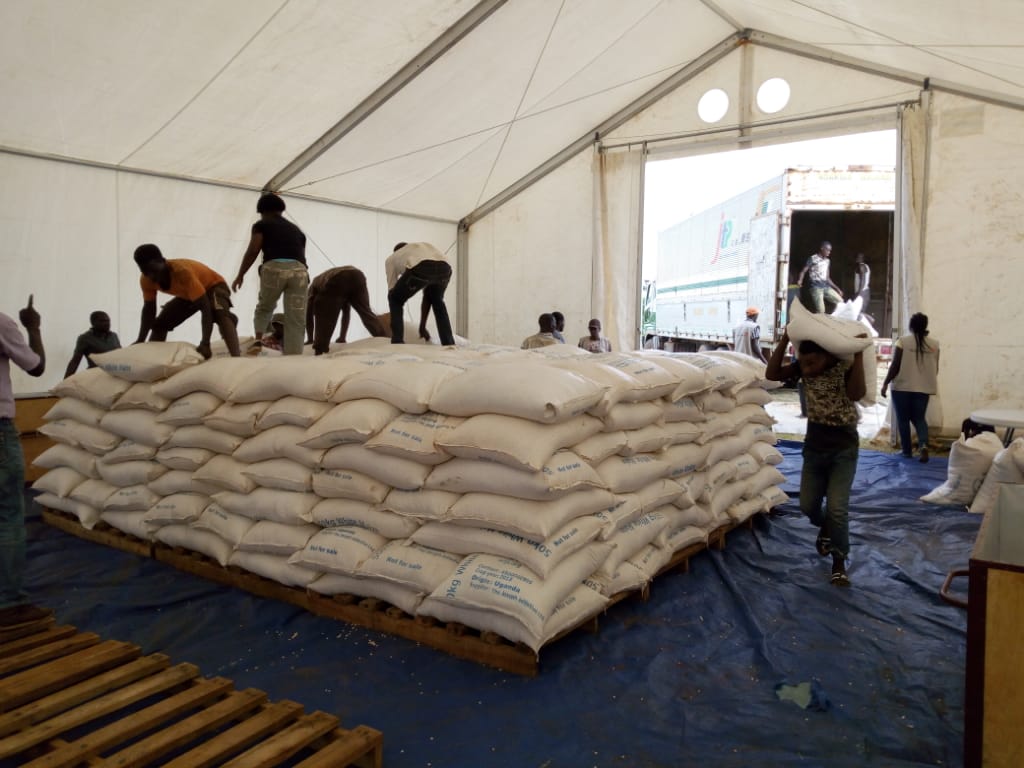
pixel 417 65
pixel 788 45
pixel 701 63
pixel 208 182
pixel 752 133
pixel 691 70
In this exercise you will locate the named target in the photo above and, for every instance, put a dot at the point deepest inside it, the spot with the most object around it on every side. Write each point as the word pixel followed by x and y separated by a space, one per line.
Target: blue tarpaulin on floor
pixel 750 659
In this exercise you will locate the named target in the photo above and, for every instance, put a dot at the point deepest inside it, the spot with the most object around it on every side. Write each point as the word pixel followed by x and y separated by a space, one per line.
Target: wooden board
pixel 69 698
pixel 29 412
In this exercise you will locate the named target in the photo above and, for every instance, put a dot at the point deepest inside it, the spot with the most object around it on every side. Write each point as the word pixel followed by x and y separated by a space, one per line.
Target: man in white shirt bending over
pixel 410 268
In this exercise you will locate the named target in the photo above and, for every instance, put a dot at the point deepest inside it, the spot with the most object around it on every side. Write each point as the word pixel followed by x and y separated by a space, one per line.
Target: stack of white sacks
pixel 511 491
pixel 978 466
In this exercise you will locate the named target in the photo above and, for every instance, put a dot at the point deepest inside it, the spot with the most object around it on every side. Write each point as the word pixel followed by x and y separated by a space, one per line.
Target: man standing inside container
pixel 15 610
pixel 283 272
pixel 410 268
pixel 822 288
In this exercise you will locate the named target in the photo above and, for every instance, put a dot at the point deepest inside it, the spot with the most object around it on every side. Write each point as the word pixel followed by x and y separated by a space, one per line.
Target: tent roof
pixel 432 112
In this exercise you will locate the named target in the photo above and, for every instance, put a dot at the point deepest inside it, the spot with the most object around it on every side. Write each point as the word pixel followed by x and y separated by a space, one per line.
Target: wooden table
pixel 1009 418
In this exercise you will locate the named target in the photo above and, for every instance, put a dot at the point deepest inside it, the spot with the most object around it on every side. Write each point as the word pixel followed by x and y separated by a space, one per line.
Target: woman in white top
pixel 914 375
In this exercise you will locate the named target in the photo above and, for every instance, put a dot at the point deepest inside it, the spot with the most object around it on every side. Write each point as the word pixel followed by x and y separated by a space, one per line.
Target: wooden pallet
pixel 102 534
pixel 456 639
pixel 482 647
pixel 69 698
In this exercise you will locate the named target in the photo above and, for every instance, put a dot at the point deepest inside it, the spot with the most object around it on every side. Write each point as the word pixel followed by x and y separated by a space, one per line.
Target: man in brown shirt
pixel 338 291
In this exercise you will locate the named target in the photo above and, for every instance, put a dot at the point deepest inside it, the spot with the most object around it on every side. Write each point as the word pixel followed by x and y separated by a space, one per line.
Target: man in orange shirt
pixel 195 288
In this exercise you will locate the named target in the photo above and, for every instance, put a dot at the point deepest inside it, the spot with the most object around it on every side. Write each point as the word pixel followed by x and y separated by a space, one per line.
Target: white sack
pixel 193 408
pixel 274 567
pixel 337 513
pixel 139 425
pixel 519 443
pixel 148 362
pixel 92 439
pixel 196 540
pixel 338 550
pixel 87 516
pixel 353 422
pixel 969 462
pixel 411 565
pixel 523 388
pixel 1007 468
pixel 94 385
pixel 77 410
pixel 141 395
pixel 61 455
pixel 565 472
pixel 527 517
pixel 397 595
pixel 415 437
pixel 270 504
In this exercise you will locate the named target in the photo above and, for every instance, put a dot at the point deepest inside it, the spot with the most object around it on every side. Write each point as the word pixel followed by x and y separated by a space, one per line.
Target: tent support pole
pixel 448 39
pixel 462 281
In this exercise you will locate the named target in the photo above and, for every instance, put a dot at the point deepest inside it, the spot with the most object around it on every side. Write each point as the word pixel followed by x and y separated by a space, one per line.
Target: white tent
pixel 511 133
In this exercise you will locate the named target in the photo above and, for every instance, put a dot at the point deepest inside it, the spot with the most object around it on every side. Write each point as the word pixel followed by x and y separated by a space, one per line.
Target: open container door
pixel 764 266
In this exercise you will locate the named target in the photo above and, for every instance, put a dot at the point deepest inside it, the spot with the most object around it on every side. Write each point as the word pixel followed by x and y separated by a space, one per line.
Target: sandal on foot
pixel 840 580
pixel 823 544
pixel 839 577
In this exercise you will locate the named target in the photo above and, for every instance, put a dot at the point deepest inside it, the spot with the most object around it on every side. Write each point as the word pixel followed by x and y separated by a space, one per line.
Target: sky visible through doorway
pixel 680 187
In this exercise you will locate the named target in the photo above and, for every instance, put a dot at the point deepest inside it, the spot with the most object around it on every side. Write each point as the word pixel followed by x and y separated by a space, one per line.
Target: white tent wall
pixel 58 242
pixel 534 255
pixel 973 270
pixel 69 231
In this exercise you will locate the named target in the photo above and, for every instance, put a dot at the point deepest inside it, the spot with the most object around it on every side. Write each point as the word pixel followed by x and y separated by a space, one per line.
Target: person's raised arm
pixel 32 322
pixel 856 388
pixel 894 370
pixel 803 272
pixel 424 313
pixel 255 246
pixel 76 360
pixel 146 320
pixel 775 370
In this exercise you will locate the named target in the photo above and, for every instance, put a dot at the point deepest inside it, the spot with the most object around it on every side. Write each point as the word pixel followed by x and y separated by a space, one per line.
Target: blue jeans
pixel 432 278
pixel 911 407
pixel 828 476
pixel 12 516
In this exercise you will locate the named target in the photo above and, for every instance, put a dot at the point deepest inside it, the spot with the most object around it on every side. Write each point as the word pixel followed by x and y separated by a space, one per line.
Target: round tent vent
pixel 713 105
pixel 773 95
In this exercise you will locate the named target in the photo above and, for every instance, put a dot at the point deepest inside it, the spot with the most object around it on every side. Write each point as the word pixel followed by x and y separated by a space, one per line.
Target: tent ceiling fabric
pixel 233 91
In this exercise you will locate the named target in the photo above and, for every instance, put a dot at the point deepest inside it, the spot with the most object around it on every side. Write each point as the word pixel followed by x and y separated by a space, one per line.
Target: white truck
pixel 749 250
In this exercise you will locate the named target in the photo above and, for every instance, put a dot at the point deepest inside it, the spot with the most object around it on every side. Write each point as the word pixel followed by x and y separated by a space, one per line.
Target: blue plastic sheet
pixel 688 676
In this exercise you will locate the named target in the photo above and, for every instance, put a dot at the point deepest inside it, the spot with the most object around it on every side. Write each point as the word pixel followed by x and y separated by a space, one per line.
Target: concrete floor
pixel 873 427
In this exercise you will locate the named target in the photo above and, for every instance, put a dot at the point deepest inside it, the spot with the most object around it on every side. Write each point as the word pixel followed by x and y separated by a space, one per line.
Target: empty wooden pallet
pixel 69 698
